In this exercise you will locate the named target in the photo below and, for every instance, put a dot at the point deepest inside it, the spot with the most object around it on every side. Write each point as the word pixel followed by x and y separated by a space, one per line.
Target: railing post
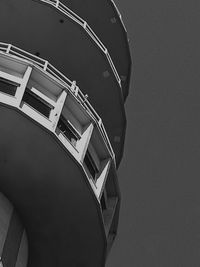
pixel 55 115
pixel 8 48
pixel 45 65
pixel 57 3
pixel 73 86
pixel 20 91
pixel 76 91
pixel 85 25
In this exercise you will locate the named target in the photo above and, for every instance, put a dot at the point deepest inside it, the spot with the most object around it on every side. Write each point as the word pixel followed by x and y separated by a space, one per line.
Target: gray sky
pixel 160 172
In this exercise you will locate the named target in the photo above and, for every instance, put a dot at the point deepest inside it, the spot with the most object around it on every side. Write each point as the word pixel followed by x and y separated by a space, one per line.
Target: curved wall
pixel 13 239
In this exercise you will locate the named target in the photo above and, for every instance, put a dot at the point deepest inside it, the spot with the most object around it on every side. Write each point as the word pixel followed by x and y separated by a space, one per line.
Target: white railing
pixel 68 12
pixel 61 78
pixel 119 14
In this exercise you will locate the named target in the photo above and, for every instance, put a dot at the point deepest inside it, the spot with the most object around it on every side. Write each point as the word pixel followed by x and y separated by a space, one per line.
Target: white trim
pixel 42 96
pixel 68 145
pixel 20 90
pixel 36 115
pixel 56 112
pixel 10 77
pixel 7 99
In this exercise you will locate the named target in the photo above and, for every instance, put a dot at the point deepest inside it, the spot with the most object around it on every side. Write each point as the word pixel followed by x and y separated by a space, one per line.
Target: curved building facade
pixel 64 77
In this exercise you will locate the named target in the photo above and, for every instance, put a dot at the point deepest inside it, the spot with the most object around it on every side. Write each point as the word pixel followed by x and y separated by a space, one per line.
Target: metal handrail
pixel 61 78
pixel 119 14
pixel 72 15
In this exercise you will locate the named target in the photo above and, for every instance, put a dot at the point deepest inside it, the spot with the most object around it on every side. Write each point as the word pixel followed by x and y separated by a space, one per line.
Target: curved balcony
pixel 106 21
pixel 62 79
pixel 83 23
pixel 38 29
pixel 56 106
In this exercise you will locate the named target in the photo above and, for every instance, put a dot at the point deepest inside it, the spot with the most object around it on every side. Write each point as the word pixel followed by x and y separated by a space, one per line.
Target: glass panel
pixel 67 130
pixel 103 202
pixel 89 162
pixel 8 87
pixel 37 103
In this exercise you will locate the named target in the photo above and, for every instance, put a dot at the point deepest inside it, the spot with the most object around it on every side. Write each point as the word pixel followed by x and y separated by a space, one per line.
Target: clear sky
pixel 160 172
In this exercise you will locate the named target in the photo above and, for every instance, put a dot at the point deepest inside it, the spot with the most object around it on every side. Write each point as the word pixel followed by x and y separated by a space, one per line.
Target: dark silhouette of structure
pixel 64 74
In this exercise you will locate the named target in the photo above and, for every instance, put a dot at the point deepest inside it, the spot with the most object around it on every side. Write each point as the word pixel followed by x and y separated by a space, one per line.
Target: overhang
pixel 106 21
